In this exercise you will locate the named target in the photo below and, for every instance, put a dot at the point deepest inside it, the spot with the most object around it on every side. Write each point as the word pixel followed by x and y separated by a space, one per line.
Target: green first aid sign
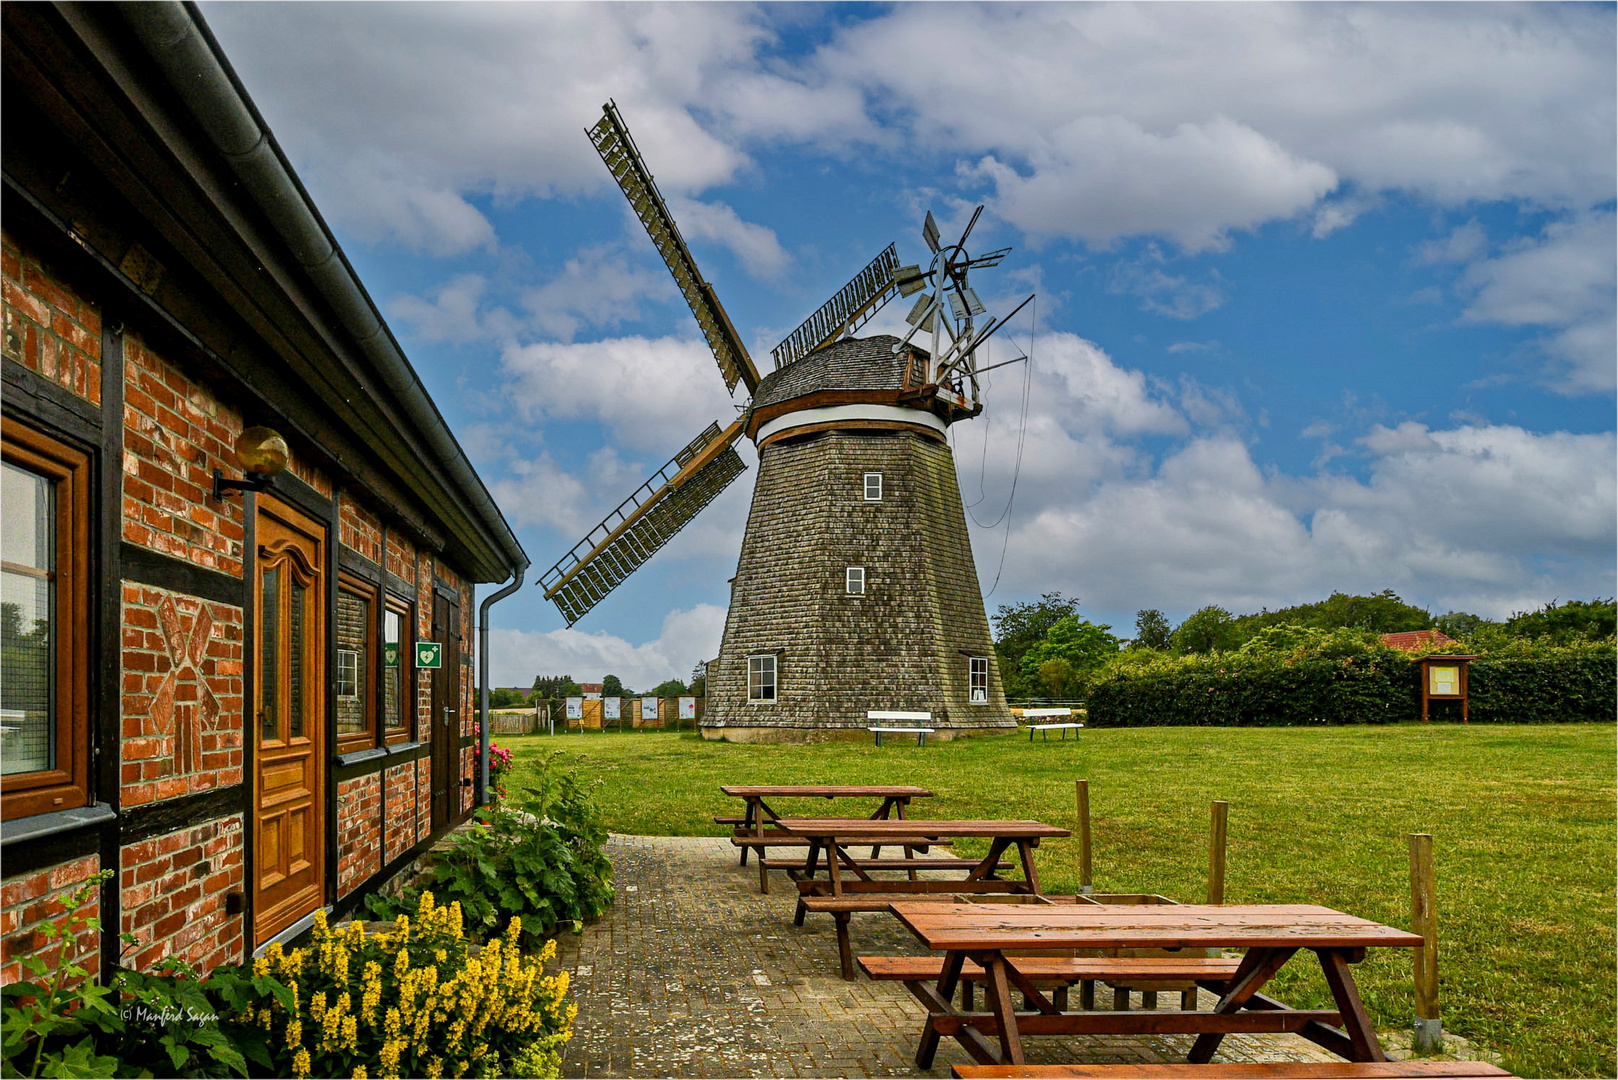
pixel 390 654
pixel 429 654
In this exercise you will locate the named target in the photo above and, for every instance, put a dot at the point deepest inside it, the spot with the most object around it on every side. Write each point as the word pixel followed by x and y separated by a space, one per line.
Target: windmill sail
pixel 644 522
pixel 617 150
pixel 846 312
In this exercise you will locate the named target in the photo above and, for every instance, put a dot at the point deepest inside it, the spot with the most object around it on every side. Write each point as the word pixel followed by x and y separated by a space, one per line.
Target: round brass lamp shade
pixel 261 451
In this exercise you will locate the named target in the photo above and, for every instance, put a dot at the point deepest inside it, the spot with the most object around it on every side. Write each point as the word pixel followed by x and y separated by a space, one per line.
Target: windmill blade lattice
pixel 846 312
pixel 617 150
pixel 644 522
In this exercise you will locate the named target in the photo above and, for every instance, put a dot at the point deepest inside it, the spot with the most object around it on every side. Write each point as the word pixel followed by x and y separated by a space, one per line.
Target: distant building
pixel 1411 640
pixel 592 690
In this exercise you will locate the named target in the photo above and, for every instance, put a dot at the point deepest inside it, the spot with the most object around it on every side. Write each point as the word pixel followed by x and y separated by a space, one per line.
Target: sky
pixel 1324 293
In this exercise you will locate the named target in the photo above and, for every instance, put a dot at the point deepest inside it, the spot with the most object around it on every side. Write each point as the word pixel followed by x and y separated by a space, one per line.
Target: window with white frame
pixel 979 682
pixel 348 674
pixel 761 678
pixel 855 580
pixel 873 487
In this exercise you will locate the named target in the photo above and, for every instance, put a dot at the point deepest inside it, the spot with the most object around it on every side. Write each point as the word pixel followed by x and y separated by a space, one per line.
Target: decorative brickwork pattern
pixel 49 327
pixel 401 824
pixel 31 899
pixel 424 800
pixel 359 834
pixel 905 643
pixel 175 435
pixel 359 530
pixel 182 694
pixel 173 895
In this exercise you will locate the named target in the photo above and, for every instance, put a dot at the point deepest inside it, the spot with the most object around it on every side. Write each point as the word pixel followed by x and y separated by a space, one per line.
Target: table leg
pixel 998 991
pixel 811 862
pixel 763 865
pixel 833 850
pixel 937 1002
pixel 747 826
pixel 984 871
pixel 1025 849
pixel 1257 968
pixel 1356 1023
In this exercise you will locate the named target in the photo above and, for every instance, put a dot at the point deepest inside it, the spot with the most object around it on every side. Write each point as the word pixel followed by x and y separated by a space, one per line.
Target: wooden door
pixel 289 717
pixel 446 735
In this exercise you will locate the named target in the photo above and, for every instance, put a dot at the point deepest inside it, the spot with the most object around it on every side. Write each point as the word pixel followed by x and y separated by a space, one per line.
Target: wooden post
pixel 1216 853
pixel 1428 1034
pixel 1086 883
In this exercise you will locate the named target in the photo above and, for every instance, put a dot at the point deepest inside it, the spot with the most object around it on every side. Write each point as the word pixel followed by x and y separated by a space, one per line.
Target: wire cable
pixel 1022 434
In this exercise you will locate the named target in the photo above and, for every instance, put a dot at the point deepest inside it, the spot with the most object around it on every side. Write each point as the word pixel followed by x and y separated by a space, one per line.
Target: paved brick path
pixel 694 974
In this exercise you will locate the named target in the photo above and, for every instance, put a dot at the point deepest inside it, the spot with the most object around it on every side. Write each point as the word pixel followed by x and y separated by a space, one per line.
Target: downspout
pixel 483 681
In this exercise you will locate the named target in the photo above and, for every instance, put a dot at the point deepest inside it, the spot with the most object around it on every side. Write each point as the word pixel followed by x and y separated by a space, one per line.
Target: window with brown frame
pixel 44 623
pixel 355 677
pixel 398 642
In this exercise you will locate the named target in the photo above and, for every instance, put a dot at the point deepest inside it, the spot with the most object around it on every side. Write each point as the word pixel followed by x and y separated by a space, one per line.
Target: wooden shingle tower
pixel 855 589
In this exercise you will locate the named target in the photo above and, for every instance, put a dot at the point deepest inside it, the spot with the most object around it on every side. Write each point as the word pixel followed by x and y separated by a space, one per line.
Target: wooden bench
pixel 1120 972
pixel 880 715
pixel 1045 729
pixel 1235 1070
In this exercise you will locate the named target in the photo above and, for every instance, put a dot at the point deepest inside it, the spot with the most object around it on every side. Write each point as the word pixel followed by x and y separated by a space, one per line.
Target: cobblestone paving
pixel 694 974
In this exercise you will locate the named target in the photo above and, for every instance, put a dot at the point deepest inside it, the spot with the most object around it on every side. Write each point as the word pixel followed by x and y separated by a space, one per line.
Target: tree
pixel 1576 620
pixel 1152 630
pixel 611 686
pixel 669 688
pixel 1460 624
pixel 1079 645
pixel 1207 630
pixel 554 686
pixel 1380 613
pixel 501 697
pixel 699 677
pixel 1018 628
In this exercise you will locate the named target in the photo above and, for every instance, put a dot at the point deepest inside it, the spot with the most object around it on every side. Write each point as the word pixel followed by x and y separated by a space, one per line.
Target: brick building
pixel 213 691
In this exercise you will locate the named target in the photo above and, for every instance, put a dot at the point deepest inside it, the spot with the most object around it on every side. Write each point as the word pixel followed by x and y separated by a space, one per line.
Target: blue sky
pixel 1325 293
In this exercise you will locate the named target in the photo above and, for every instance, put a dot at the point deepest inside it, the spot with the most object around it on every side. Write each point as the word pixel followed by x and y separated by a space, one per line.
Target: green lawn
pixel 1523 820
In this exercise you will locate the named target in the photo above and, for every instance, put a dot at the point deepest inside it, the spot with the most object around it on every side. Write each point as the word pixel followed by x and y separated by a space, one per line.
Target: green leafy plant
pixel 52 1020
pixel 537 856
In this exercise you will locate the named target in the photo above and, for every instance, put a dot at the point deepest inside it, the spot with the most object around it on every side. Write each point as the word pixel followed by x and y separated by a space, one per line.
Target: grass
pixel 1523 820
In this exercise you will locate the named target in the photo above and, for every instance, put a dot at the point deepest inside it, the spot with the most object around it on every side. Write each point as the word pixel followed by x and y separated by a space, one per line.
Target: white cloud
pixel 755 246
pixel 1176 296
pixel 1566 282
pixel 598 287
pixel 1093 121
pixel 651 394
pixel 1463 244
pixel 687 637
pixel 455 312
pixel 1103 178
pixel 1480 518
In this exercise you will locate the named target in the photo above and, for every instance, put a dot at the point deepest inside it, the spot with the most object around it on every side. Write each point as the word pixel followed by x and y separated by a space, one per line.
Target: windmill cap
pixel 853 364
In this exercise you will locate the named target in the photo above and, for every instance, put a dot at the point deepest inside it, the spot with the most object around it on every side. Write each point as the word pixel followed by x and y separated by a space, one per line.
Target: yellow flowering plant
pixel 419 999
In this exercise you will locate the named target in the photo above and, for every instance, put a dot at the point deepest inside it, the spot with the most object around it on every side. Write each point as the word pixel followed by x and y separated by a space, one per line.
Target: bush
pixel 537 856
pixel 1291 675
pixel 418 1000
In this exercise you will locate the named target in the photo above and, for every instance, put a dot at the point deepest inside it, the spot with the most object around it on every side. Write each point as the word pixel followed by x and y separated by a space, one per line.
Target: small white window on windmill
pixel 873 487
pixel 979 680
pixel 855 580
pixel 761 678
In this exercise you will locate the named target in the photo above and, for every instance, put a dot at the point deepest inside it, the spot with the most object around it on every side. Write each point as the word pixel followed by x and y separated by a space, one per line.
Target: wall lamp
pixel 262 453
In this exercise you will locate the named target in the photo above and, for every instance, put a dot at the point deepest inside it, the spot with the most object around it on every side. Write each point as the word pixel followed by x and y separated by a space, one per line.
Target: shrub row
pixel 1341 679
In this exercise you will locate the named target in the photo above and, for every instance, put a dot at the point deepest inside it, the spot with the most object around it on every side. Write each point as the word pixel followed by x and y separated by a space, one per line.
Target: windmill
pixel 855 588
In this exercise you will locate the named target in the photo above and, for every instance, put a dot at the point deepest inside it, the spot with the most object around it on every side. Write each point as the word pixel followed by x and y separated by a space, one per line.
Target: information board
pixel 648 708
pixel 575 708
pixel 610 707
pixel 688 708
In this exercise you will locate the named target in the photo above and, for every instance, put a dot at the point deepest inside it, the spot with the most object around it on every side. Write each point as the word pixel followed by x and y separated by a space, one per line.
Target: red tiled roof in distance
pixel 1411 640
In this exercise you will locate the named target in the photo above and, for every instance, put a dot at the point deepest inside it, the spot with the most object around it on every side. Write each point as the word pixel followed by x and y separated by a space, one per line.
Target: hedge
pixel 1351 683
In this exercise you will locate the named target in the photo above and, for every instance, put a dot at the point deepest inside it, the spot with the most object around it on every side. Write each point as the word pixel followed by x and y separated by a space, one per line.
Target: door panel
pixel 289 707
pixel 446 733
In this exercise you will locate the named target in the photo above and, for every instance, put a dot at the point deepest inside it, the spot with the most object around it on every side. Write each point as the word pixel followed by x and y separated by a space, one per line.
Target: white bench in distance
pixel 1045 729
pixel 881 715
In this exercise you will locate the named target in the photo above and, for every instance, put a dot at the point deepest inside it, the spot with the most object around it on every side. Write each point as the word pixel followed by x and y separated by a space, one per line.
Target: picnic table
pixel 756 828
pixel 1271 934
pixel 839 896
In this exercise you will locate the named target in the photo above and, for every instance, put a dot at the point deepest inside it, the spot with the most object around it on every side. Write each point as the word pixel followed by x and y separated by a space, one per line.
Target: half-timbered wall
pixel 181 801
